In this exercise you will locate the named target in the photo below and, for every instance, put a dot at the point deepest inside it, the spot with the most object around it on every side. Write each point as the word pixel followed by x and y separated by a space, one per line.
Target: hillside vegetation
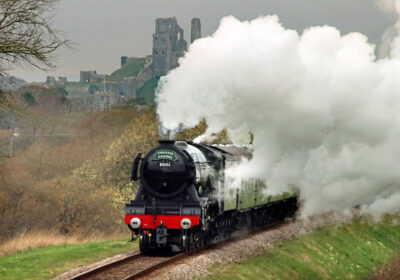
pixel 351 251
pixel 69 170
pixel 146 94
pixel 130 69
pixel 389 272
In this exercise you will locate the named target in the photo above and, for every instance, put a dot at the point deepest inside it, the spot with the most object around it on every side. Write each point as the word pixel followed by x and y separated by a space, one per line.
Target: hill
pixel 146 94
pixel 349 251
pixel 75 162
pixel 10 82
pixel 132 68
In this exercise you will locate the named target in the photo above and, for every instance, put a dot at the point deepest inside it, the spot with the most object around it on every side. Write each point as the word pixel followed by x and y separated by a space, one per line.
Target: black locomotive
pixel 185 199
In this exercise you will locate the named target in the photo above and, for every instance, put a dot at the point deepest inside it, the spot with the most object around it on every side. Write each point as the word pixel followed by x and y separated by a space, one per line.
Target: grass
pixel 345 252
pixel 146 94
pixel 29 241
pixel 46 263
pixel 131 69
pixel 389 272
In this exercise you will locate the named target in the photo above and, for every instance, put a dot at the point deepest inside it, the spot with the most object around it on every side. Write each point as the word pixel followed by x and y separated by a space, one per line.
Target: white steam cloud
pixel 390 41
pixel 325 113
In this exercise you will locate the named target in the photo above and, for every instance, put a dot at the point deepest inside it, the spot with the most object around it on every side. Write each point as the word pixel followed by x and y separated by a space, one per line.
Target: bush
pixel 78 183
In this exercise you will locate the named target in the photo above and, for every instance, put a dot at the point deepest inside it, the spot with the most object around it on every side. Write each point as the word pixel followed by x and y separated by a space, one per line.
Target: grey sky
pixel 104 30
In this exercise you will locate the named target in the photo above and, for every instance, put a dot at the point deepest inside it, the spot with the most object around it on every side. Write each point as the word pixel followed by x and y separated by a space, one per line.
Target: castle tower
pixel 168 45
pixel 195 30
pixel 124 60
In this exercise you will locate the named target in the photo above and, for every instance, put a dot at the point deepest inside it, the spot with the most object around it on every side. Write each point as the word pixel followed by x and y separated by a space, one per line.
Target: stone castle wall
pixel 195 30
pixel 91 77
pixel 168 45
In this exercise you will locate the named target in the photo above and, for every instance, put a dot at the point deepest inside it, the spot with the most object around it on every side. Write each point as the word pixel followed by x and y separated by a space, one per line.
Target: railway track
pixel 137 265
pixel 131 267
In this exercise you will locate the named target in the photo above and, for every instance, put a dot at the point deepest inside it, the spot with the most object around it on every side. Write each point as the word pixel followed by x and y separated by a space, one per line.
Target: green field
pixel 49 262
pixel 345 252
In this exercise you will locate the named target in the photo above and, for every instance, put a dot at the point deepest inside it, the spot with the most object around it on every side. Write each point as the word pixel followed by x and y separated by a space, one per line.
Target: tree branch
pixel 26 36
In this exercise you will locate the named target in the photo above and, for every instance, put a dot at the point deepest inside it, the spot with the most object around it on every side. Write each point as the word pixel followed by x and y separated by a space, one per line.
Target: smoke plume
pixel 390 41
pixel 324 112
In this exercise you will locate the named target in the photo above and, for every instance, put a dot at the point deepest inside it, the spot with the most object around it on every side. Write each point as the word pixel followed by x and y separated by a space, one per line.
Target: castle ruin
pixel 91 77
pixel 52 82
pixel 168 45
pixel 195 30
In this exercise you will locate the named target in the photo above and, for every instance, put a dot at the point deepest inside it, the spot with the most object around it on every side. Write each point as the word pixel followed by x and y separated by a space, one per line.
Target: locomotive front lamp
pixel 186 223
pixel 135 223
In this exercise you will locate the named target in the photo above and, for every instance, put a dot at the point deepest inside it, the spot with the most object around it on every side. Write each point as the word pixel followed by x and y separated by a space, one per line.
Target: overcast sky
pixel 104 30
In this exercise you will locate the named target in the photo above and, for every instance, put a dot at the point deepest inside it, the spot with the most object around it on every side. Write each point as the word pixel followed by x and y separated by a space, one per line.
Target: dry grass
pixel 27 241
pixel 390 272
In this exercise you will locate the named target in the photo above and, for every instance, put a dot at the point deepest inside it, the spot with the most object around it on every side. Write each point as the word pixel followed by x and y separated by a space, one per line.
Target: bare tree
pixel 26 34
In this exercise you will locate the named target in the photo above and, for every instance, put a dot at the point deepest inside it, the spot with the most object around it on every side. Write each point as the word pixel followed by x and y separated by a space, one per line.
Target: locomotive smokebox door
pixel 161 234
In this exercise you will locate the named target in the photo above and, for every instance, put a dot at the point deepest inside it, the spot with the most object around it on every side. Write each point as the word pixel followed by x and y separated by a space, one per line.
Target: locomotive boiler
pixel 185 199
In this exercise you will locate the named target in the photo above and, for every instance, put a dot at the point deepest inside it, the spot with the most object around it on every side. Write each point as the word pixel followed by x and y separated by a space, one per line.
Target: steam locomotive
pixel 185 198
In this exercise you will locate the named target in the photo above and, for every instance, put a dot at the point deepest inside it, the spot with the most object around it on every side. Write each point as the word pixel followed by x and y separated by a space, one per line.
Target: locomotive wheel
pixel 186 243
pixel 192 243
pixel 196 239
pixel 144 243
pixel 205 238
pixel 248 221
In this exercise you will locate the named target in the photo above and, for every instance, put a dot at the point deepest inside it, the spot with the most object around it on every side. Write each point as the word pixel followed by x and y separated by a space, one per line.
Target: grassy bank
pixel 49 262
pixel 146 94
pixel 27 241
pixel 388 272
pixel 132 68
pixel 345 252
